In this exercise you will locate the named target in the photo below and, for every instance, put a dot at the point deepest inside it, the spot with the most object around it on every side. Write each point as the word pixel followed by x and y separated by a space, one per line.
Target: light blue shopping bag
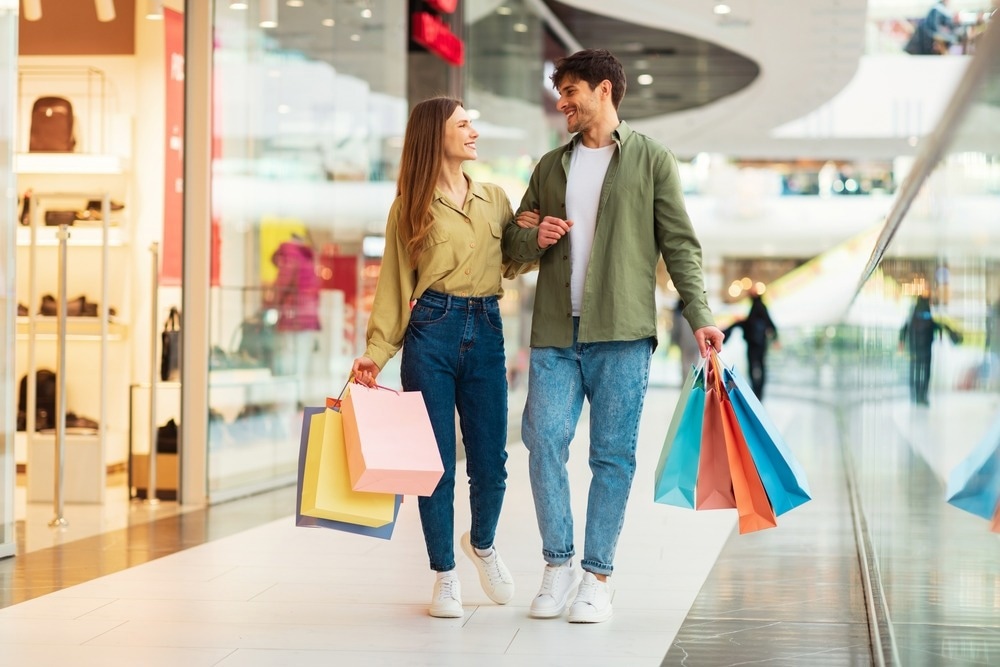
pixel 974 484
pixel 677 469
pixel 779 470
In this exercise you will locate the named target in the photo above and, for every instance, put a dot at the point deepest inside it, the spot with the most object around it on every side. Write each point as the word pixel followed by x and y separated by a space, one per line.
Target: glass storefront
pixel 8 68
pixel 309 113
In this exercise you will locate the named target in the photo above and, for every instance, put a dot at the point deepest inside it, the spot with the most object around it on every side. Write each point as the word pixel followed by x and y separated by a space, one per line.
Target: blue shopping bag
pixel 383 532
pixel 779 470
pixel 677 469
pixel 974 484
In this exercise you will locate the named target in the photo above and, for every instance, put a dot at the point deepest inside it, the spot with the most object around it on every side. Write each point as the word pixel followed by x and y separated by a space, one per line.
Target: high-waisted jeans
pixel 613 377
pixel 453 353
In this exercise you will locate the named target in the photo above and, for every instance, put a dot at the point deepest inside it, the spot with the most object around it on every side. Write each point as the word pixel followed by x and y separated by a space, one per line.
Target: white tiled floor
pixel 281 595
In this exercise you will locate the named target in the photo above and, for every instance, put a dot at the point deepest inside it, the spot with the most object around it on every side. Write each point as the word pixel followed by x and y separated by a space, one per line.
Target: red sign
pixel 173 168
pixel 433 34
pixel 443 6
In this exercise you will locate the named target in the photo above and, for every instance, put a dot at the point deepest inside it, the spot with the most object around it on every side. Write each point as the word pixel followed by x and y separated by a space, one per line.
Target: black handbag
pixel 170 353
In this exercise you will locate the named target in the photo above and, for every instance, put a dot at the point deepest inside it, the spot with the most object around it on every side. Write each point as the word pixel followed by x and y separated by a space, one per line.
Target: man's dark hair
pixel 592 66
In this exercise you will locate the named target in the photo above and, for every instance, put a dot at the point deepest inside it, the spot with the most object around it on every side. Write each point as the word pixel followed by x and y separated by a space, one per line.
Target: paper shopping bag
pixel 779 470
pixel 391 446
pixel 326 485
pixel 677 469
pixel 995 524
pixel 383 532
pixel 974 484
pixel 715 485
pixel 752 504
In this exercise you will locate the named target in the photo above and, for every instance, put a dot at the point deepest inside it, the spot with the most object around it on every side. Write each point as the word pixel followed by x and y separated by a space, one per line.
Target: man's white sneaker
pixel 593 601
pixel 493 574
pixel 558 583
pixel 447 600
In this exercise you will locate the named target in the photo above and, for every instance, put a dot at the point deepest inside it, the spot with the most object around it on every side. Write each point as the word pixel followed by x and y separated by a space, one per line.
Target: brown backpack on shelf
pixel 52 126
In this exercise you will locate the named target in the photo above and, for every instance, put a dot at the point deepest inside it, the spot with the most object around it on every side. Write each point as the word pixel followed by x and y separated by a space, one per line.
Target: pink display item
pixel 391 446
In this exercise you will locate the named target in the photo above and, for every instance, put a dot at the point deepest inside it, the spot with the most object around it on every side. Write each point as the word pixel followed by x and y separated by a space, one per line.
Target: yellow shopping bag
pixel 326 481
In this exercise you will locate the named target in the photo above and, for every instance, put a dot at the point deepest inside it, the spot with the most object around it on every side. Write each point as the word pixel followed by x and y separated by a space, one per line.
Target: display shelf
pixel 69 164
pixel 77 328
pixel 78 236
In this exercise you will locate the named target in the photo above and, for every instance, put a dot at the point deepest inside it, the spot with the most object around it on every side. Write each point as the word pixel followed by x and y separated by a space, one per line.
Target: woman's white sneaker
pixel 447 599
pixel 558 582
pixel 593 601
pixel 496 579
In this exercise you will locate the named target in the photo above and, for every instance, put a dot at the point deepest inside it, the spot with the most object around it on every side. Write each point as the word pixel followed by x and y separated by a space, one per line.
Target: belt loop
pixel 447 304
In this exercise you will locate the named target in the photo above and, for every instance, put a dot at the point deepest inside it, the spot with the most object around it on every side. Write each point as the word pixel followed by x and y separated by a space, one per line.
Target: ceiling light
pixel 520 27
pixel 105 10
pixel 473 113
pixel 355 37
pixel 237 5
pixel 154 10
pixel 329 23
pixel 722 8
pixel 504 10
pixel 366 13
pixel 295 3
pixel 32 10
pixel 644 79
pixel 268 13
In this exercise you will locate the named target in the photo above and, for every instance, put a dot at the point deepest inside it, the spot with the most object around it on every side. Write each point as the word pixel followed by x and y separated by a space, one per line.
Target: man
pixel 934 34
pixel 597 215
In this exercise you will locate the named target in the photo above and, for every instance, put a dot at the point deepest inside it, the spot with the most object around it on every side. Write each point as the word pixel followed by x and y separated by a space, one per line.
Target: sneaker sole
pixel 446 614
pixel 592 618
pixel 484 581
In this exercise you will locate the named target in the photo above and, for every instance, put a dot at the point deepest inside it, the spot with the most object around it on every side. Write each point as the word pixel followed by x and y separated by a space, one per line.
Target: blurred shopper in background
pixel 683 338
pixel 917 338
pixel 758 333
pixel 934 34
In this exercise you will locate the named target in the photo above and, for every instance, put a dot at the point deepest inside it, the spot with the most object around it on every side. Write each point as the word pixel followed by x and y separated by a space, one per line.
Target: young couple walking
pixel 598 213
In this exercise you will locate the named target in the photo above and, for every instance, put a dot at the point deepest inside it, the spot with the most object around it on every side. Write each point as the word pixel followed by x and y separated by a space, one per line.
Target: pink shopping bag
pixel 391 446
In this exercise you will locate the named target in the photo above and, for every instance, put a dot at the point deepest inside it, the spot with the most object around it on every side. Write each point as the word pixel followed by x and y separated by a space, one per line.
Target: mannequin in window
pixel 295 295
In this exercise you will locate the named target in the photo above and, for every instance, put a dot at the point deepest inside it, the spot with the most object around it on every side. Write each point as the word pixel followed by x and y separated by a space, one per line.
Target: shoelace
pixel 493 569
pixel 550 578
pixel 447 589
pixel 588 591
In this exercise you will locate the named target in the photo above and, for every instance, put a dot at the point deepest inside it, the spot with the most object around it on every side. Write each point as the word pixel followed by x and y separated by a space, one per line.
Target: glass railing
pixel 918 387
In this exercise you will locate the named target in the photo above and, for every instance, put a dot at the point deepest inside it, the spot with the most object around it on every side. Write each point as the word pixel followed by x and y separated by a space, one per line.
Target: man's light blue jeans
pixel 613 377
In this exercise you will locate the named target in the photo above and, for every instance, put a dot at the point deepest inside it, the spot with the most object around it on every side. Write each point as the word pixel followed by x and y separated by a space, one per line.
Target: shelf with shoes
pixel 95 264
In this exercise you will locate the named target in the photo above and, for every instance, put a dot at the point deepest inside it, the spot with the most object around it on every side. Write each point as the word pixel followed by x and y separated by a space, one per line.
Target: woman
pixel 443 251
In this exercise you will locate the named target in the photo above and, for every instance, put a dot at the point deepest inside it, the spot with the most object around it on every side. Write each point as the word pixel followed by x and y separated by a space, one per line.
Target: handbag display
pixel 170 347
pixel 383 532
pixel 52 126
pixel 391 447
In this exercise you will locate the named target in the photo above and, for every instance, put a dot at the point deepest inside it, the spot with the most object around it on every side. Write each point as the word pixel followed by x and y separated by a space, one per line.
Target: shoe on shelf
pixel 494 576
pixel 447 600
pixel 558 582
pixel 593 601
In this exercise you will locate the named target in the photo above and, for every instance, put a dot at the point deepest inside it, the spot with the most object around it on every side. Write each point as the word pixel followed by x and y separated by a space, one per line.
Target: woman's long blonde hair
pixel 419 166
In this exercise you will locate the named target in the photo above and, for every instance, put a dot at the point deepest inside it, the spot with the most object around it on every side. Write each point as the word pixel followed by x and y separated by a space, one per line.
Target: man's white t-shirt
pixel 587 170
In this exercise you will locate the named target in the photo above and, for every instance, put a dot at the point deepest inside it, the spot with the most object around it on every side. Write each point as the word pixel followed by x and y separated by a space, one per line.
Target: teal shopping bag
pixel 779 470
pixel 974 484
pixel 677 469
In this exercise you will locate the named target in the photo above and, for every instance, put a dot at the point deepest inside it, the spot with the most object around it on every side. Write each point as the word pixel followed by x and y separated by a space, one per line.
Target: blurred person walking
pixel 933 34
pixel 598 214
pixel 758 333
pixel 917 338
pixel 443 252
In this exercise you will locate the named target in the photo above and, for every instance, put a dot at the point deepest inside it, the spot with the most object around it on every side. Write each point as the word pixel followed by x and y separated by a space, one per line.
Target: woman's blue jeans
pixel 453 353
pixel 613 376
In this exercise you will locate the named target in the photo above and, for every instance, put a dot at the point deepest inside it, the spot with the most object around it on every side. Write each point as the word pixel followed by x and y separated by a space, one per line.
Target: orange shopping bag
pixel 752 503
